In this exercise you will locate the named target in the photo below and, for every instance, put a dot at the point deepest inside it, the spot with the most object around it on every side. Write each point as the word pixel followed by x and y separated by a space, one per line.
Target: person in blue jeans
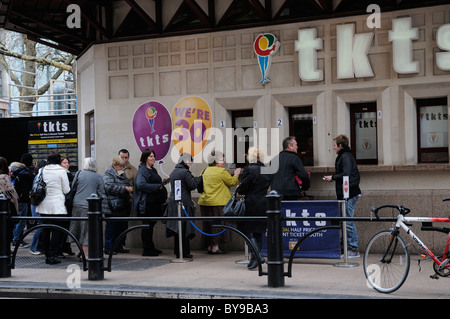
pixel 22 177
pixel 345 165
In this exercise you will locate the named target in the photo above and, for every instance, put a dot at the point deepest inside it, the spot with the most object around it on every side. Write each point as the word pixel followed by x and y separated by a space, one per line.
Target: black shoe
pixel 151 252
pixel 107 253
pixel 252 264
pixel 124 250
pixel 52 260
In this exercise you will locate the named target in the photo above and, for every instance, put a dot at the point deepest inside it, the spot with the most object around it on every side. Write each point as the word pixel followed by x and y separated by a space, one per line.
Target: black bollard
pixel 95 248
pixel 5 251
pixel 275 260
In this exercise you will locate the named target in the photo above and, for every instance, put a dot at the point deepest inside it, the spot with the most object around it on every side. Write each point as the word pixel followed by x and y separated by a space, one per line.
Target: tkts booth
pixel 385 86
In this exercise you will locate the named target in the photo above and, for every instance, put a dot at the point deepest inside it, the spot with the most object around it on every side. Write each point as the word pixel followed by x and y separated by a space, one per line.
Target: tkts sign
pixel 352 50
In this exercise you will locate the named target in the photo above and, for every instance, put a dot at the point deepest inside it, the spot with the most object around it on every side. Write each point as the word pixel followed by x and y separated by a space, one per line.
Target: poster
pixel 325 244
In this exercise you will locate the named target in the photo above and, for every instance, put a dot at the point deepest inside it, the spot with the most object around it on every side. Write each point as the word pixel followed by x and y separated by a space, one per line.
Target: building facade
pixel 382 80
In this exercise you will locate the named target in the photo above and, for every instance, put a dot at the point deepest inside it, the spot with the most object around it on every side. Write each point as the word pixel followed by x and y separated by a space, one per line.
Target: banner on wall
pixel 152 128
pixel 191 124
pixel 324 244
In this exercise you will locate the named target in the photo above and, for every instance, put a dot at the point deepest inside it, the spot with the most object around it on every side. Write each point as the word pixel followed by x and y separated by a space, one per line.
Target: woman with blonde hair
pixel 254 186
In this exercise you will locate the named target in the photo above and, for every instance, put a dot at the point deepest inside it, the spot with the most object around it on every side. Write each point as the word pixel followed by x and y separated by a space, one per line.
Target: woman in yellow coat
pixel 216 193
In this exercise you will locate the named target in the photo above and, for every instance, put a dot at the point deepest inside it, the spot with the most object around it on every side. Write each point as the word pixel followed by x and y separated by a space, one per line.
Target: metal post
pixel 275 260
pixel 181 259
pixel 345 263
pixel 5 251
pixel 95 249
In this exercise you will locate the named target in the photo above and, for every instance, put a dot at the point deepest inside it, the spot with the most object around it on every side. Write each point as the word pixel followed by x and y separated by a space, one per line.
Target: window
pixel 432 130
pixel 90 123
pixel 242 119
pixel 364 132
pixel 301 126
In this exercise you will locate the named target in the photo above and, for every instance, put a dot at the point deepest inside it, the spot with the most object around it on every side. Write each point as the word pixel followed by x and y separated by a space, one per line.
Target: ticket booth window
pixel 301 126
pixel 242 119
pixel 432 130
pixel 364 132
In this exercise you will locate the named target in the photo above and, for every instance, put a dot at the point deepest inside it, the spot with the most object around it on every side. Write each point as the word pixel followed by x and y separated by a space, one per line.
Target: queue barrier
pixel 95 262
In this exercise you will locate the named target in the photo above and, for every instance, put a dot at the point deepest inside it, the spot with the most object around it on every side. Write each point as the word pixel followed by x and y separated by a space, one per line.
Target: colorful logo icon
pixel 265 46
pixel 151 114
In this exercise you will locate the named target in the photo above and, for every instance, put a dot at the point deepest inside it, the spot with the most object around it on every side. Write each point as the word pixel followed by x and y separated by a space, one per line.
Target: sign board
pixel 325 244
pixel 345 187
pixel 57 134
pixel 177 190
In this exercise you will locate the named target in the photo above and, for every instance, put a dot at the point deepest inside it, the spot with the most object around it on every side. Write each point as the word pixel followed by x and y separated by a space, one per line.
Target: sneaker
pixel 353 253
pixel 35 252
pixel 24 245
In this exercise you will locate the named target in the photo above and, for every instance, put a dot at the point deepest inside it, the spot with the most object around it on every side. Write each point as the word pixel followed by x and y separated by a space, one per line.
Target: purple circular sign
pixel 152 128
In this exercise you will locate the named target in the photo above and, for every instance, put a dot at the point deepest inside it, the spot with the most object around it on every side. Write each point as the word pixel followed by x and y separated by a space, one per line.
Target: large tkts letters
pixel 443 42
pixel 307 46
pixel 401 37
pixel 352 52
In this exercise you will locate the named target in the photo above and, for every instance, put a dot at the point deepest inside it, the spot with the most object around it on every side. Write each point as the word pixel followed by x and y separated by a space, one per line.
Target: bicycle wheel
pixel 386 262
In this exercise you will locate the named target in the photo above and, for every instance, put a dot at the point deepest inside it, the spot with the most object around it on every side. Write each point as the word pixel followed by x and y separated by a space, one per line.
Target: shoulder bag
pixel 39 189
pixel 235 206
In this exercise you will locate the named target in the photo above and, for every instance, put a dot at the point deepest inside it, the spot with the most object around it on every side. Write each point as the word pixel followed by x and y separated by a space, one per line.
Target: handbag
pixel 71 195
pixel 235 206
pixel 116 204
pixel 39 189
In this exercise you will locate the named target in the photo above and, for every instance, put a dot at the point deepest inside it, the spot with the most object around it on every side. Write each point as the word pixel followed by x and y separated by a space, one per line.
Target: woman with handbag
pixel 216 193
pixel 149 196
pixel 55 176
pixel 118 196
pixel 254 186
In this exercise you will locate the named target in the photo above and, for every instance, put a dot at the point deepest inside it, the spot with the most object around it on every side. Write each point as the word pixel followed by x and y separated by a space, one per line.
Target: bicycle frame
pixel 401 224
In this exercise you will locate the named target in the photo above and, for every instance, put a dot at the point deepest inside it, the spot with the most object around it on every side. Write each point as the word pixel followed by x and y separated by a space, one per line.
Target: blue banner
pixel 324 244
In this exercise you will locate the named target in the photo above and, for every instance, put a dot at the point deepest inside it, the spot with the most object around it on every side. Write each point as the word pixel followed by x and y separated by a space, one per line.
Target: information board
pixel 324 244
pixel 55 134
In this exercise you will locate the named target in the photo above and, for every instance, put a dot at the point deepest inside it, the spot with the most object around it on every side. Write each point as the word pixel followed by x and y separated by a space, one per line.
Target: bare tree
pixel 58 63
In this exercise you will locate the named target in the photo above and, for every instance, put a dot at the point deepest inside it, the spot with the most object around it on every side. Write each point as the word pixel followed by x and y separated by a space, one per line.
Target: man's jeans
pixel 20 226
pixel 352 235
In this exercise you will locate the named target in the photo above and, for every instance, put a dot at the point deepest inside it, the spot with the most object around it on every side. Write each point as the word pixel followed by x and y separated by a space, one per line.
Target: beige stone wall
pixel 116 78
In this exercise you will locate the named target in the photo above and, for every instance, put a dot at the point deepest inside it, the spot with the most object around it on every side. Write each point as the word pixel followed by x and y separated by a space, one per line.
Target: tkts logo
pixel 151 115
pixel 265 46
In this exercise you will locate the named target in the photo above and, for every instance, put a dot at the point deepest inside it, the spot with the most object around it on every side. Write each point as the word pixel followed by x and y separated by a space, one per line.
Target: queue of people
pixel 126 189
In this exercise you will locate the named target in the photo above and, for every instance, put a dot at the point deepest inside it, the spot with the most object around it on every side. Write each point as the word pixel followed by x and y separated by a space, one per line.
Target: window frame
pixel 420 151
pixel 360 108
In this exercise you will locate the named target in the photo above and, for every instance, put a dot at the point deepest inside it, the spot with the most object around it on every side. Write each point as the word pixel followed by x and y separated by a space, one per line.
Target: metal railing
pixel 94 264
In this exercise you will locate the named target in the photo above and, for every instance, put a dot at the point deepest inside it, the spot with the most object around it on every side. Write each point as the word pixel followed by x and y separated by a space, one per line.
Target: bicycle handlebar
pixel 401 209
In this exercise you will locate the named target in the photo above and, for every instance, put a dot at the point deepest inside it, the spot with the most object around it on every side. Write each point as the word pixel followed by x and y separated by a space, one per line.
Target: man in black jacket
pixel 22 176
pixel 345 165
pixel 289 165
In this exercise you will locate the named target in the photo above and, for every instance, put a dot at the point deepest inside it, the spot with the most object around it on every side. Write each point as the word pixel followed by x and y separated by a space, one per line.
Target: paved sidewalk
pixel 208 276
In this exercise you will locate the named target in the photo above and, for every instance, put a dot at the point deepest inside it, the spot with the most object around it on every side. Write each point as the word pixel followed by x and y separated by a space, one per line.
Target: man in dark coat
pixel 289 165
pixel 188 184
pixel 345 165
pixel 22 177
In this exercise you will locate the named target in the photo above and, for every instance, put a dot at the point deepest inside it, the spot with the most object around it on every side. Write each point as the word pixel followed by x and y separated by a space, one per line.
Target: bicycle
pixel 387 258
